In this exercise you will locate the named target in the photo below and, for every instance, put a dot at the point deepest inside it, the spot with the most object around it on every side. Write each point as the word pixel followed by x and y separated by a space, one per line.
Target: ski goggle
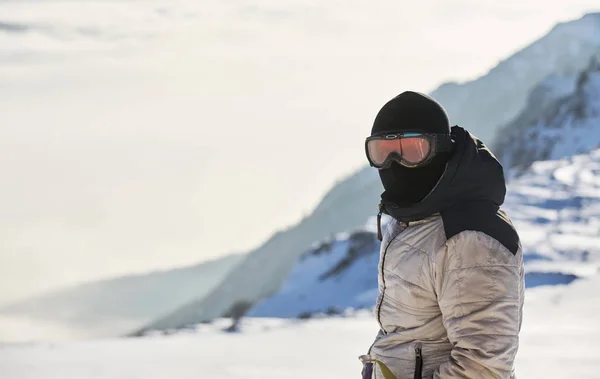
pixel 408 149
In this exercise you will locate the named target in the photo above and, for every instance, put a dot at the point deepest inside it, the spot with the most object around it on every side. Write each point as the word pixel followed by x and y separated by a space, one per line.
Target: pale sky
pixel 146 135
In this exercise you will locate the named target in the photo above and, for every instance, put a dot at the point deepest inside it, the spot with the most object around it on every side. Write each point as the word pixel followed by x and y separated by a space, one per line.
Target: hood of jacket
pixel 472 174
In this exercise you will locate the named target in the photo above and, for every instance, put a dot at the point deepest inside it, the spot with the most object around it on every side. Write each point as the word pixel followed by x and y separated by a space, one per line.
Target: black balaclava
pixel 416 112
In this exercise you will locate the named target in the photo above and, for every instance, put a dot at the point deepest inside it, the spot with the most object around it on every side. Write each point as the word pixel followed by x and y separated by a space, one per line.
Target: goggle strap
pixel 443 143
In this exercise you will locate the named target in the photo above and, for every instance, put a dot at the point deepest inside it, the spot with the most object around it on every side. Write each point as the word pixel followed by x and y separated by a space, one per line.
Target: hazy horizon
pixel 145 136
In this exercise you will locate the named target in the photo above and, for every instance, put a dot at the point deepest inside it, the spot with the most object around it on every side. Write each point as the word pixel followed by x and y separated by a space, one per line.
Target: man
pixel 451 281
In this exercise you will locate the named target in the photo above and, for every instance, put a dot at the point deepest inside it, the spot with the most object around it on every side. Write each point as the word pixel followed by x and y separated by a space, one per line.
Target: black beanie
pixel 411 111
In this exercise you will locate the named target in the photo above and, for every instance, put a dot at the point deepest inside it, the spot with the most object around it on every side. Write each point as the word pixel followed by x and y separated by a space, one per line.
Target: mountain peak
pixel 593 16
pixel 485 104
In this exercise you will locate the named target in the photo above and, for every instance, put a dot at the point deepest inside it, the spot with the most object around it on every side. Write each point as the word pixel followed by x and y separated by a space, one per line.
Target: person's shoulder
pixel 484 217
pixel 426 235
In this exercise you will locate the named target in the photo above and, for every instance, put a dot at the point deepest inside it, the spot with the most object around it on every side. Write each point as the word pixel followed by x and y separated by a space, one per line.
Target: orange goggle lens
pixel 413 149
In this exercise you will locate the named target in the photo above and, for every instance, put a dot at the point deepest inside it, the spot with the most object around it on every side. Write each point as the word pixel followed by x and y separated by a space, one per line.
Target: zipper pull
pixel 418 362
pixel 379 234
pixel 418 352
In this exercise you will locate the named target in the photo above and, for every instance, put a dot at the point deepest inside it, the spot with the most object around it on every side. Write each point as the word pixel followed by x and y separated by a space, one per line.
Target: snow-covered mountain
pixel 493 100
pixel 115 306
pixel 562 118
pixel 337 274
pixel 480 105
pixel 555 207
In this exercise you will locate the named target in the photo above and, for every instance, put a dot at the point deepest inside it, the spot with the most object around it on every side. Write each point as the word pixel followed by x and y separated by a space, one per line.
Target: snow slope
pixel 566 49
pixel 115 306
pixel 493 100
pixel 562 118
pixel 334 276
pixel 555 207
pixel 560 338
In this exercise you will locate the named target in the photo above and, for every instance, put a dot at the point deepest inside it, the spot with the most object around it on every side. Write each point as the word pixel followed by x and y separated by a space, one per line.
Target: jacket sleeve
pixel 480 290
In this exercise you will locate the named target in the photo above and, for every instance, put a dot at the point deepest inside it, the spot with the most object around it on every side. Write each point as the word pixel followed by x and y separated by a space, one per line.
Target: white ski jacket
pixel 451 285
pixel 458 303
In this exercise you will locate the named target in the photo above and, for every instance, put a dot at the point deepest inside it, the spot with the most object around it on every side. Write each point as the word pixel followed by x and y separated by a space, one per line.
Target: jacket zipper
pixel 379 234
pixel 383 282
pixel 418 362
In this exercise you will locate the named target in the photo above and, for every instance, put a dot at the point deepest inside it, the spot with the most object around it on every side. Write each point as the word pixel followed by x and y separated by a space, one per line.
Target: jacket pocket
pixel 413 360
